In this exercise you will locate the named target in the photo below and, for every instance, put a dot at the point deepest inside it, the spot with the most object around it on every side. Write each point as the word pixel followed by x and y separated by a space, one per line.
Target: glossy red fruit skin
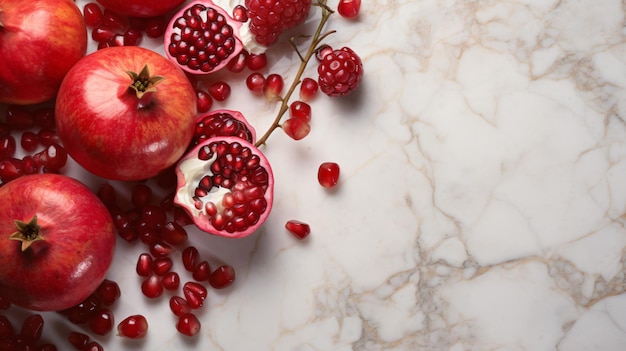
pixel 78 247
pixel 141 8
pixel 39 59
pixel 108 130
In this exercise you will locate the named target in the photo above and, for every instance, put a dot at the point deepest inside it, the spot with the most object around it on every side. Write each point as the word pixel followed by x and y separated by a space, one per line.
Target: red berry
pixel 340 72
pixel 299 109
pixel 222 277
pixel 101 322
pixel 151 287
pixel 204 101
pixel 188 324
pixel 190 256
pixel 133 327
pixel 273 87
pixel 93 14
pixel 299 229
pixel 296 128
pixel 308 89
pixel 255 83
pixel 349 8
pixel 328 174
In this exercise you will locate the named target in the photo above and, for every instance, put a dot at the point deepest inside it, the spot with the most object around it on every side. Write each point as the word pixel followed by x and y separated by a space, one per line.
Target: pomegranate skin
pixel 72 260
pixel 141 8
pixel 107 129
pixel 40 40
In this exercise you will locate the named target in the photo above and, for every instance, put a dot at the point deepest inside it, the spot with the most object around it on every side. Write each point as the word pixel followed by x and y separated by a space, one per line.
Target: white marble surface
pixel 482 200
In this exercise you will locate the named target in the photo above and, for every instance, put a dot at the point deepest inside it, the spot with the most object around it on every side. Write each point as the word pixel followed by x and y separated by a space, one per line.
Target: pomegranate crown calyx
pixel 27 233
pixel 143 83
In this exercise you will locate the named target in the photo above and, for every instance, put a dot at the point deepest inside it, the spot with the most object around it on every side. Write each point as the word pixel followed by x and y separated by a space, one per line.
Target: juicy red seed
pixel 28 141
pixel 101 322
pixel 308 89
pixel 144 265
pixel 141 195
pixel 220 91
pixel 162 265
pixel 32 327
pixel 18 117
pixel 92 346
pixel 204 101
pixel 202 271
pixel 132 37
pixel 77 339
pixel 44 117
pixel 154 216
pixel 190 256
pixel 240 13
pixel 296 128
pixel 29 165
pixel 188 324
pixel 151 287
pixel 328 174
pixel 181 217
pixel 255 83
pixel 133 327
pixel 300 109
pixel 155 27
pixel 222 277
pixel 53 157
pixel 8 146
pixel 102 34
pixel 322 51
pixel 299 229
pixel 11 169
pixel 47 137
pixel 108 292
pixel 171 281
pixel 256 62
pixel 93 14
pixel 195 294
pixel 160 249
pixel 6 329
pixel 5 303
pixel 238 63
pixel 138 23
pixel 107 195
pixel 349 8
pixel 147 235
pixel 82 312
pixel 173 234
pixel 273 87
pixel 114 20
pixel 179 306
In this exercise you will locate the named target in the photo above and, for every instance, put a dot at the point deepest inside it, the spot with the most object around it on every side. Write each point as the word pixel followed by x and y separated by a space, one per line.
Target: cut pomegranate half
pixel 202 38
pixel 222 123
pixel 226 185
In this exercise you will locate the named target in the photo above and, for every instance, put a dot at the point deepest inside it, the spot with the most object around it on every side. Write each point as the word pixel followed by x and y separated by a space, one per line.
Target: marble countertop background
pixel 482 200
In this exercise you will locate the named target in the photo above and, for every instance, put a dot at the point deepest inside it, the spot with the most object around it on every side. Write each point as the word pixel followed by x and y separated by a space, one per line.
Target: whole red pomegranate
pixel 125 113
pixel 141 8
pixel 40 40
pixel 57 241
pixel 226 185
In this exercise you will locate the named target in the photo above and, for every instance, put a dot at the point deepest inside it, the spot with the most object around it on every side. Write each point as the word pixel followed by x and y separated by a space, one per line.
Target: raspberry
pixel 269 18
pixel 340 72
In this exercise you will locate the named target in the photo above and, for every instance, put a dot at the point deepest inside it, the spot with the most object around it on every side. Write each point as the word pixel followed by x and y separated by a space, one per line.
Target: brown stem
pixel 27 233
pixel 144 86
pixel 318 37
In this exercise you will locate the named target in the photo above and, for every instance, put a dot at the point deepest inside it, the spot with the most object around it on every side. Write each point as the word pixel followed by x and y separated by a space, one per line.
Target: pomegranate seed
pixel 28 141
pixel 190 256
pixel 144 265
pixel 349 8
pixel 255 83
pixel 92 346
pixel 47 137
pixel 32 328
pixel 238 63
pixel 8 147
pixel 5 303
pixel 132 37
pixel 181 217
pixel 29 165
pixel 328 174
pixel 151 287
pixel 138 23
pixel 6 329
pixel 188 324
pixel 308 89
pixel 299 229
pixel 82 312
pixel 220 91
pixel 44 117
pixel 107 194
pixel 155 26
pixel 10 169
pixel 273 87
pixel 93 14
pixel 179 306
pixel 101 322
pixel 240 13
pixel 203 101
pixel 141 195
pixel 296 128
pixel 154 216
pixel 160 249
pixel 133 327
pixel 108 292
pixel 322 51
pixel 173 234
pixel 171 281
pixel 18 117
pixel 102 34
pixel 114 20
pixel 256 62
pixel 195 294
pixel 77 339
pixel 147 235
pixel 162 265
pixel 222 277
pixel 53 157
pixel 299 109
pixel 202 271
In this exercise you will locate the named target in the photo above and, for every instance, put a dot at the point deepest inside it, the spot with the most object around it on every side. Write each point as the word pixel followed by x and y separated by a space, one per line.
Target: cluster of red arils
pixel 38 148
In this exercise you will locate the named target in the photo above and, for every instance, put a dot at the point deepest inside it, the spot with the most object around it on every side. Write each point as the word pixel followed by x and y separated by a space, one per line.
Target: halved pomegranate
pixel 222 123
pixel 226 185
pixel 202 37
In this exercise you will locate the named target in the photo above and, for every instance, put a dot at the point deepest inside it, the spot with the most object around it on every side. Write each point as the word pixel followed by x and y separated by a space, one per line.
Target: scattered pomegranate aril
pixel 222 277
pixel 102 34
pixel 174 234
pixel 256 62
pixel 93 15
pixel 188 324
pixel 8 146
pixel 328 174
pixel 82 312
pixel 202 271
pixel 53 157
pixel 28 141
pixel 195 294
pixel 141 195
pixel 240 13
pixel 181 217
pixel 78 339
pixel 308 89
pixel 273 88
pixel 144 265
pixel 299 229
pixel 18 117
pixel 204 101
pixel 107 194
pixel 220 90
pixel 162 265
pixel 154 216
pixel 44 117
pixel 155 27
pixel 238 63
pixel 6 329
pixel 114 21
pixel 349 8
pixel 189 257
pixel 255 83
pixel 296 128
pixel 179 306
pixel 47 137
pixel 32 328
pixel 133 327
pixel 171 281
pixel 132 37
pixel 151 287
pixel 160 249
pixel 300 109
pixel 10 169
pixel 108 292
pixel 101 322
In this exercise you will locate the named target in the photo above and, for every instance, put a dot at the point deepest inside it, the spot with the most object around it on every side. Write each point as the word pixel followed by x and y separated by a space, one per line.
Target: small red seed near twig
pixel 299 229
